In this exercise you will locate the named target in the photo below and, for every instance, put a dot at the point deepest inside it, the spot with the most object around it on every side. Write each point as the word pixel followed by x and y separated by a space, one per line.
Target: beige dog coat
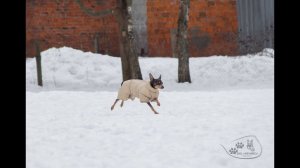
pixel 137 88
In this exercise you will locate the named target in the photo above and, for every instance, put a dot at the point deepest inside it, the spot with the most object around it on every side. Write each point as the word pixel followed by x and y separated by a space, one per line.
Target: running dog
pixel 146 91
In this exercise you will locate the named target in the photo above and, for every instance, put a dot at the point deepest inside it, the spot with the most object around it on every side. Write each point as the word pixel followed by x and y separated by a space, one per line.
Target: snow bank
pixel 70 69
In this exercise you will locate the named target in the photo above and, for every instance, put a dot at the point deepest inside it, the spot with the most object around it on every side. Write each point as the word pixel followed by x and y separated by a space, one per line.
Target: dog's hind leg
pixel 122 103
pixel 112 107
pixel 155 112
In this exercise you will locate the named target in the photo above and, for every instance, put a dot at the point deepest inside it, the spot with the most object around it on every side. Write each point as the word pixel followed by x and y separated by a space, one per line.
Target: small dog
pixel 146 91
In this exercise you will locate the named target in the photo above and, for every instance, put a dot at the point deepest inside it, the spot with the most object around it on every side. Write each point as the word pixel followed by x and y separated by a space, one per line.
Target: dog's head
pixel 156 83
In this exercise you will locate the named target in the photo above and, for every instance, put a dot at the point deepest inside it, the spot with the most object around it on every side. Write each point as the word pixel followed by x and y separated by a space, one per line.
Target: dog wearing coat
pixel 146 91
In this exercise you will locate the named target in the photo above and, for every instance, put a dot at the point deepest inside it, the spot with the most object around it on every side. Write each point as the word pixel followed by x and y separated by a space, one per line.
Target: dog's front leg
pixel 157 102
pixel 155 112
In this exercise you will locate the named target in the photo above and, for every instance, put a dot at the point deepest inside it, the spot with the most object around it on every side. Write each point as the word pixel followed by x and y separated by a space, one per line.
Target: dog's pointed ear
pixel 151 77
pixel 159 77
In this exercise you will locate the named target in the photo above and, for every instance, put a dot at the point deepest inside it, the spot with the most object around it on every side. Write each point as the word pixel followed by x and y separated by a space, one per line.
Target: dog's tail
pixel 122 83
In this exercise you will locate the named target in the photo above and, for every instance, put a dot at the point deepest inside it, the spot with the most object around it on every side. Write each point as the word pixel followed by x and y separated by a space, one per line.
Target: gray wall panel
pixel 255 25
pixel 139 14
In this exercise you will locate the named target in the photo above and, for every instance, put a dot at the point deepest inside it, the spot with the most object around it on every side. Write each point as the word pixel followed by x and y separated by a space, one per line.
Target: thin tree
pixel 181 49
pixel 38 59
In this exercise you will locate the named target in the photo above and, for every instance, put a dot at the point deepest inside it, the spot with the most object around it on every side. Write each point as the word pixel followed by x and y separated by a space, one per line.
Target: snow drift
pixel 70 69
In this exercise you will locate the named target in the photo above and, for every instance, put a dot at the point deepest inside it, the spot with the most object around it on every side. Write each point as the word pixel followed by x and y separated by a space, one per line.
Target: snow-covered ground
pixel 69 123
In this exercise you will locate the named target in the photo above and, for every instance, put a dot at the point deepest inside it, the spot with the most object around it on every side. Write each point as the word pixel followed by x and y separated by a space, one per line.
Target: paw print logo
pixel 239 145
pixel 233 151
pixel 247 147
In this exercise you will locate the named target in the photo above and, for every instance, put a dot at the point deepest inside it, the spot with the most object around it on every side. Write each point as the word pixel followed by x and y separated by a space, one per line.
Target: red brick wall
pixel 212 27
pixel 57 23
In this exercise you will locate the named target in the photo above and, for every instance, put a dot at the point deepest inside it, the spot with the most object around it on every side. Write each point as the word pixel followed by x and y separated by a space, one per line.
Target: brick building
pixel 216 27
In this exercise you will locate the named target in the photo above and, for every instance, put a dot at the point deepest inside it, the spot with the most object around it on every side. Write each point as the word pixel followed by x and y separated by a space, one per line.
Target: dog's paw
pixel 112 107
pixel 156 113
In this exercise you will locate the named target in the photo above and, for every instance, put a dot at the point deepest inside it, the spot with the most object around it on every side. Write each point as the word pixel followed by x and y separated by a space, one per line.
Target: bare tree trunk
pixel 181 50
pixel 38 64
pixel 129 54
